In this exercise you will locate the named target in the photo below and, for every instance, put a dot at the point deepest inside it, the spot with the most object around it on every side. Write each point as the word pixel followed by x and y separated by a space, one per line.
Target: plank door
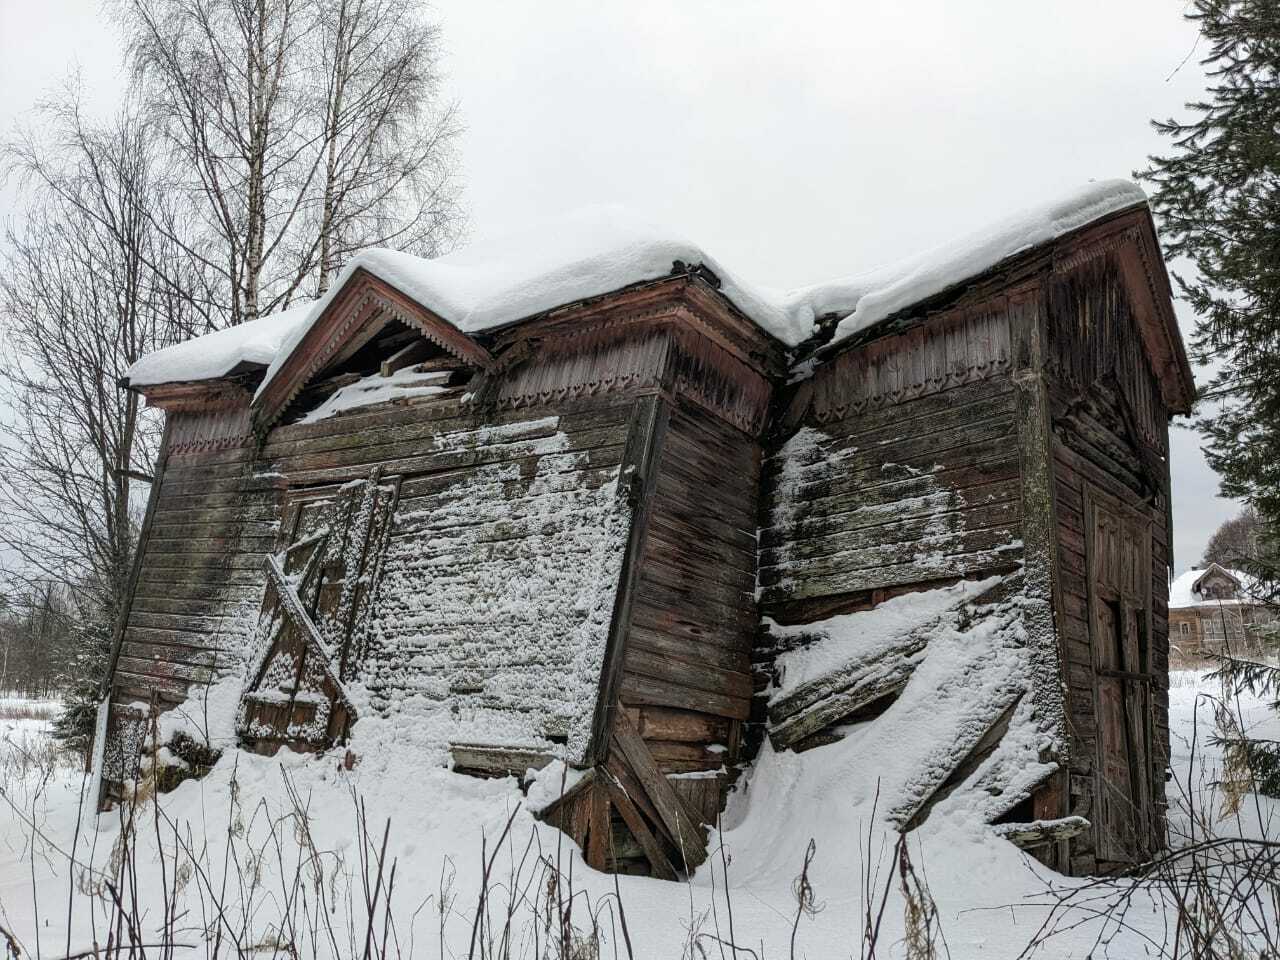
pixel 320 583
pixel 1119 572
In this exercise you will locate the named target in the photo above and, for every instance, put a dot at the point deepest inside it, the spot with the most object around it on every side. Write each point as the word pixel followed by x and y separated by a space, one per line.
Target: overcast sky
pixel 794 140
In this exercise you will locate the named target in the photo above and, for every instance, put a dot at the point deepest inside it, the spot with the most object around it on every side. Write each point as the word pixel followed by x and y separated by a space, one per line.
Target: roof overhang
pixel 219 394
pixel 1128 234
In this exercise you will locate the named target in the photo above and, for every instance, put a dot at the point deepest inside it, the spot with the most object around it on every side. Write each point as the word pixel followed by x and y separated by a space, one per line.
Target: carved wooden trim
pixel 698 305
pixel 215 429
pixel 365 302
pixel 1096 250
pixel 655 349
pixel 1129 236
pixel 926 359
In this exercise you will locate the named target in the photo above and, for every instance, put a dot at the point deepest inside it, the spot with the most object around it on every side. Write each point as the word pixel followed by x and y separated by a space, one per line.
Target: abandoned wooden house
pixel 582 494
pixel 1213 610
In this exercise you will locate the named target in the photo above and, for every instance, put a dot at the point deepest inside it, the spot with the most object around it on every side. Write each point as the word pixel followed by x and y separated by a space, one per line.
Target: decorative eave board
pixel 196 395
pixel 364 307
pixel 687 299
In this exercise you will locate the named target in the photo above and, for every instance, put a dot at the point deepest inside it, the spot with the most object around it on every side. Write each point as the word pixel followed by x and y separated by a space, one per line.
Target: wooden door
pixel 1119 572
pixel 320 582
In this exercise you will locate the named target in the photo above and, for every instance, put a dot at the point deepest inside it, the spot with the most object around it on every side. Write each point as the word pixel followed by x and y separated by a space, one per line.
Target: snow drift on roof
pixel 1181 594
pixel 505 278
pixel 598 250
pixel 868 298
pixel 217 354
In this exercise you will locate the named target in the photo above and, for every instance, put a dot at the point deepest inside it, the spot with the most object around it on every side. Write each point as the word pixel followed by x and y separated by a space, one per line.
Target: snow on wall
pixel 812 650
pixel 495 601
pixel 503 279
pixel 830 532
pixel 975 666
pixel 376 388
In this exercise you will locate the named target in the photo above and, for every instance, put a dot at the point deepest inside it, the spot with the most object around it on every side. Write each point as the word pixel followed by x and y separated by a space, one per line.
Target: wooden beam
pixel 290 604
pixel 198 395
pixel 496 761
pixel 406 356
pixel 859 683
pixel 1042 833
pixel 841 705
pixel 598 829
pixel 684 827
pixel 1044 620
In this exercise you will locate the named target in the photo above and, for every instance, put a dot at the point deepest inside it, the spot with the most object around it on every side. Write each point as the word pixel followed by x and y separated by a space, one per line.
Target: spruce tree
pixel 1216 195
pixel 82 677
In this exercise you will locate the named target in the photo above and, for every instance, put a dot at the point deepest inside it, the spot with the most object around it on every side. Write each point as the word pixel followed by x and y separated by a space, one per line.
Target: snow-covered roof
pixel 1182 592
pixel 868 298
pixel 597 250
pixel 218 354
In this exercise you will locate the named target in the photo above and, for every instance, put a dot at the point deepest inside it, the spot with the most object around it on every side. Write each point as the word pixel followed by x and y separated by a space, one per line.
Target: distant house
pixel 584 495
pixel 1215 610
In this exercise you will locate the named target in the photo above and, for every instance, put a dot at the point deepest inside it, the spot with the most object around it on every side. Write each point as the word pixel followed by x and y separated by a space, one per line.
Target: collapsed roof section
pixel 461 300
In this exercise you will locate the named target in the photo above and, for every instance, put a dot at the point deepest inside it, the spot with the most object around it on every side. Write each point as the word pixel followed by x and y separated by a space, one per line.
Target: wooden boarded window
pixel 1119 582
pixel 320 582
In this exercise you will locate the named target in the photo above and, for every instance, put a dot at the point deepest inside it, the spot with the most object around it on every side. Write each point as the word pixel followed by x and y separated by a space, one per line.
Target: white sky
pixel 795 141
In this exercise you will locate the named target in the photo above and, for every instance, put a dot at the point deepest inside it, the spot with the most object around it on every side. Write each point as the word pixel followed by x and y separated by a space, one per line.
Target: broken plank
pixel 683 825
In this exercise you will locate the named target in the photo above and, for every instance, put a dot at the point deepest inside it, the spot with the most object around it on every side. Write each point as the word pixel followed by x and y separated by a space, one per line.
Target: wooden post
pixel 1043 615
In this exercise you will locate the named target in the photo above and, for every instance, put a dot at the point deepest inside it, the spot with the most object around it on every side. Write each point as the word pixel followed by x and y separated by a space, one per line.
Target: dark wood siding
pixel 198 584
pixel 200 577
pixel 1110 434
pixel 687 666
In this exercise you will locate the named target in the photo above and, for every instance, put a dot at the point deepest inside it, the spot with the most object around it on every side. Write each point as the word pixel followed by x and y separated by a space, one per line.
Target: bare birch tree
pixel 89 282
pixel 388 154
pixel 309 130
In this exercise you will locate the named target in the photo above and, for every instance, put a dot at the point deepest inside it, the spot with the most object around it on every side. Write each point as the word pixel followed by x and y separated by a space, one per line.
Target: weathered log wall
pixel 909 481
pixel 498 579
pixel 212 521
pixel 686 680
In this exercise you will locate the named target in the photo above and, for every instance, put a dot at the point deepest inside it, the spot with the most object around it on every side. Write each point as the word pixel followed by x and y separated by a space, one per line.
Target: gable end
pixel 364 308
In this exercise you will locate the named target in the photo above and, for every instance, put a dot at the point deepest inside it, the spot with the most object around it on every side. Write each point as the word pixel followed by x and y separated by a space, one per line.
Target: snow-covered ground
pixel 255 834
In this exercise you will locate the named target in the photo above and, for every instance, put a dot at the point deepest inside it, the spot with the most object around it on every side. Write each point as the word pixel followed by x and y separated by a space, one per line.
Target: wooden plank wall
pixel 906 493
pixel 199 580
pixel 1094 347
pixel 487 498
pixel 903 474
pixel 686 675
pixel 499 576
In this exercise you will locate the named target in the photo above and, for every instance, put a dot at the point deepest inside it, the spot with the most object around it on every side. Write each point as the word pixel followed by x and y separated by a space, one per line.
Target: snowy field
pixel 291 856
